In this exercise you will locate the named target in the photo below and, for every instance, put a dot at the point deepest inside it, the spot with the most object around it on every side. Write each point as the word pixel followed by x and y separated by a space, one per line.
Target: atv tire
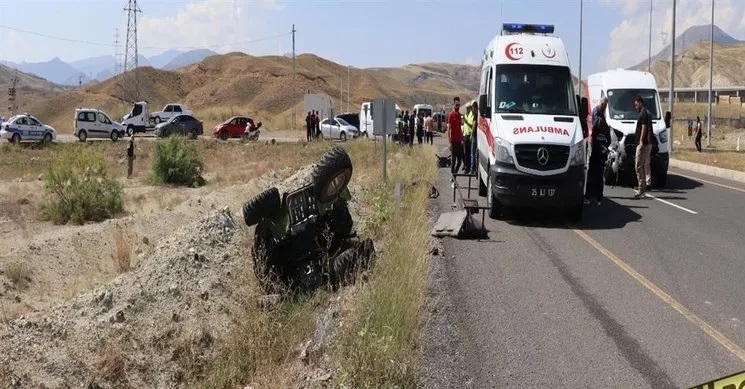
pixel 352 261
pixel 263 205
pixel 264 261
pixel 332 174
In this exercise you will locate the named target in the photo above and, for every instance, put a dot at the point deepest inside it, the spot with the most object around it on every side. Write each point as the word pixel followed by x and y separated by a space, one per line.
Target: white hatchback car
pixel 25 127
pixel 338 129
pixel 94 123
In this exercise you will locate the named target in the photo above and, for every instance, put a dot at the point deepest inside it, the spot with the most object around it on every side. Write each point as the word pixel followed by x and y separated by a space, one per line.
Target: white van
pixel 94 123
pixel 532 125
pixel 366 119
pixel 621 87
pixel 424 109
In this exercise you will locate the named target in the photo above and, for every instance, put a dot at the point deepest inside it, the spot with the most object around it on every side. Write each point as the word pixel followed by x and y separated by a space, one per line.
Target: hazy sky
pixel 360 33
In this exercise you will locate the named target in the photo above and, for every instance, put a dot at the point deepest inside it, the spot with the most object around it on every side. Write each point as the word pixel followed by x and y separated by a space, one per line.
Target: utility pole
pixel 80 81
pixel 348 95
pixel 711 71
pixel 671 96
pixel 130 50
pixel 581 19
pixel 649 49
pixel 116 52
pixel 293 77
pixel 12 94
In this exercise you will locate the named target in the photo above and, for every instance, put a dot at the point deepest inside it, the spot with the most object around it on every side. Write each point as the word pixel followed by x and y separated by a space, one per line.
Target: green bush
pixel 79 188
pixel 177 161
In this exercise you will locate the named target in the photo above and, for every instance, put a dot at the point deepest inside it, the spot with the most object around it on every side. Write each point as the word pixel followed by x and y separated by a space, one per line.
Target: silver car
pixel 338 129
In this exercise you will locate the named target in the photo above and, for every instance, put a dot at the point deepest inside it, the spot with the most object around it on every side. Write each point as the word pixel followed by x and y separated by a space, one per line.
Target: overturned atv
pixel 304 239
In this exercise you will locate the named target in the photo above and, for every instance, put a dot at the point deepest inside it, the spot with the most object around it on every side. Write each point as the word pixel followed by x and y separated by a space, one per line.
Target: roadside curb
pixel 727 174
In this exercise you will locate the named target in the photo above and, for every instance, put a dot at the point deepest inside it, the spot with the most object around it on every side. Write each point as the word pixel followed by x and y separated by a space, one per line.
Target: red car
pixel 232 128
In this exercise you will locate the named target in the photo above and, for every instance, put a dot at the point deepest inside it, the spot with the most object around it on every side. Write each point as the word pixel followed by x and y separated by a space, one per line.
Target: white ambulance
pixel 532 125
pixel 621 87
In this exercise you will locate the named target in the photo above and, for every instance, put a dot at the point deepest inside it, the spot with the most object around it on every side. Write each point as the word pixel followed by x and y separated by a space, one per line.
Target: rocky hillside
pixel 223 85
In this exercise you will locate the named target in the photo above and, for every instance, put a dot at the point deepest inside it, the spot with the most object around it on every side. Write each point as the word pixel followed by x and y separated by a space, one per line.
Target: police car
pixel 25 127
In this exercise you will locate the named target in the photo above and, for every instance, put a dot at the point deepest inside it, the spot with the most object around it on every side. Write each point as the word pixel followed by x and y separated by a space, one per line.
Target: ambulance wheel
pixel 482 187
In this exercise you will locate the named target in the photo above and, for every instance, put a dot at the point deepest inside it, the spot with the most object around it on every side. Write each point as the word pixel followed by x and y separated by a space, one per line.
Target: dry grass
pixel 111 364
pixel 691 110
pixel 723 159
pixel 19 274
pixel 379 349
pixel 122 255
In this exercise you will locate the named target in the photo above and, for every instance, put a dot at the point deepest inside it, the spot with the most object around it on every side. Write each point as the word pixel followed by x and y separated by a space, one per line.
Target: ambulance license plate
pixel 542 192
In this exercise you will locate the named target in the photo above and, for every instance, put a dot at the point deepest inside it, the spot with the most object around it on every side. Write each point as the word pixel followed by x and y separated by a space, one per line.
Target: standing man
pixel 428 128
pixel 317 124
pixel 467 136
pixel 439 121
pixel 412 128
pixel 644 147
pixel 599 142
pixel 455 137
pixel 474 144
pixel 420 129
pixel 698 134
pixel 308 127
pixel 130 155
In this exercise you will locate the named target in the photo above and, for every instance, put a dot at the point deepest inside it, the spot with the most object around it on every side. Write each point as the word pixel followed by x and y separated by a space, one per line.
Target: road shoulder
pixel 443 362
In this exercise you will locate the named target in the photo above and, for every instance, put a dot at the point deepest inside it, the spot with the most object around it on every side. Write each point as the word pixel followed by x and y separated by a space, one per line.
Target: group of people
pixel 600 140
pixel 416 123
pixel 312 125
pixel 462 138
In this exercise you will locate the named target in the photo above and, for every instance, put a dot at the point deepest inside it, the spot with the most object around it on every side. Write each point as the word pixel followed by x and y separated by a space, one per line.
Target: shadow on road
pixel 676 183
pixel 609 216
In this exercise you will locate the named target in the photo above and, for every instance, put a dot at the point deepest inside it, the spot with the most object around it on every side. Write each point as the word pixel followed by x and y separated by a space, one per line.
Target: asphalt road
pixel 642 294
pixel 281 138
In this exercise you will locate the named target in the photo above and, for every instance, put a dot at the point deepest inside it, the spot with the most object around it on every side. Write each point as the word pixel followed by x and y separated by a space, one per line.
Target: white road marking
pixel 710 182
pixel 672 204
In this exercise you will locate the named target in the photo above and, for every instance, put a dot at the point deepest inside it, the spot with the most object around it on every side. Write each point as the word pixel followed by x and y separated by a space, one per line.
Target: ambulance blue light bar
pixel 529 28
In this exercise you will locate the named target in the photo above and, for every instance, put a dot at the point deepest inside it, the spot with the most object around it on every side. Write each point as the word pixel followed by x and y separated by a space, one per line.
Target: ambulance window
pixel 490 88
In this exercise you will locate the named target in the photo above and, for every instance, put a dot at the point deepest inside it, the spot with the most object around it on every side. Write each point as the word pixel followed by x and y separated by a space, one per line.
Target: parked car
pixel 233 127
pixel 351 118
pixel 94 123
pixel 185 125
pixel 169 111
pixel 338 129
pixel 25 127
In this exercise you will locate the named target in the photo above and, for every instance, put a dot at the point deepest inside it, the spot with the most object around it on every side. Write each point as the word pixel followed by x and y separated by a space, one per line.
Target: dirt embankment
pixel 83 321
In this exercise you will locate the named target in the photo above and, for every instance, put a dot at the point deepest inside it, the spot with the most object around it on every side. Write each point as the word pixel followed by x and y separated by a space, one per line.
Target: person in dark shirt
pixel 412 127
pixel 698 134
pixel 308 127
pixel 130 155
pixel 599 142
pixel 405 134
pixel 643 147
pixel 318 124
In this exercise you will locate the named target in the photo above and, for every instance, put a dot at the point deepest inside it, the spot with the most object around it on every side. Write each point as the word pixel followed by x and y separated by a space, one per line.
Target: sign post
pixel 383 112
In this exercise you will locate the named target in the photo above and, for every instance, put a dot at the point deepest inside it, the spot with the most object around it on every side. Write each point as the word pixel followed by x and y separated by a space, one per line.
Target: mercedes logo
pixel 542 156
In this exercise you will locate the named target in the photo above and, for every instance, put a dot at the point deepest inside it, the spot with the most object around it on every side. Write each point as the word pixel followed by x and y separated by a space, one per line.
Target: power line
pixel 59 38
